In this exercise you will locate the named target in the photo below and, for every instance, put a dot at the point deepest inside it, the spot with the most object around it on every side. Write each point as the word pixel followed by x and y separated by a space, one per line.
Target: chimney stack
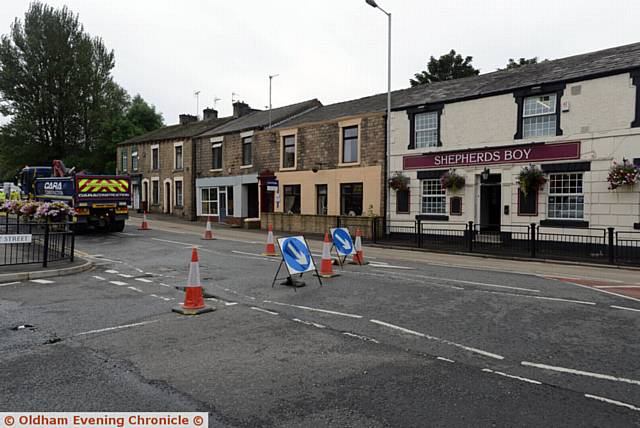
pixel 187 118
pixel 209 113
pixel 240 109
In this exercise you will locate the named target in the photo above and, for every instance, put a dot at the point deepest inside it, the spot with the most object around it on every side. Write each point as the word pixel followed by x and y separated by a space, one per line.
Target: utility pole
pixel 271 76
pixel 197 95
pixel 215 101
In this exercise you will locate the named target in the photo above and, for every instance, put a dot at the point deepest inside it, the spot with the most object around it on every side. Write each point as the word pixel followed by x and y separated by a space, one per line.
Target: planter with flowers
pixel 452 181
pixel 531 178
pixel 54 212
pixel 622 174
pixel 399 181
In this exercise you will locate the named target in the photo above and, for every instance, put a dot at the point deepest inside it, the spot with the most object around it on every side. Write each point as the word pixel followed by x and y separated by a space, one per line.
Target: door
pixel 490 203
pixel 222 209
pixel 252 200
pixel 167 197
pixel 135 196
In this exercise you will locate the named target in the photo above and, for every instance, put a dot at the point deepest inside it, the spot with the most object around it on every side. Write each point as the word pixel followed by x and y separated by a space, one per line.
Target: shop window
pixel 292 199
pixel 230 200
pixel 289 151
pixel 566 198
pixel 321 199
pixel 402 201
pixel 433 197
pixel 216 156
pixel 209 201
pixel 177 156
pixel 155 192
pixel 351 199
pixel 247 154
pixel 179 198
pixel 123 160
pixel 155 158
pixel 350 144
pixel 528 204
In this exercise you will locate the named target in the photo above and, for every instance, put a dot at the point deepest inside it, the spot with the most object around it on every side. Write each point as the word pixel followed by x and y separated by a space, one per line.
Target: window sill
pixel 178 170
pixel 246 166
pixel 216 170
pixel 293 168
pixel 432 217
pixel 343 164
pixel 403 212
pixel 574 224
pixel 179 207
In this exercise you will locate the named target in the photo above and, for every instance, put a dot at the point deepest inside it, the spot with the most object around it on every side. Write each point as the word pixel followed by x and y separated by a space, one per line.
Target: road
pixel 408 340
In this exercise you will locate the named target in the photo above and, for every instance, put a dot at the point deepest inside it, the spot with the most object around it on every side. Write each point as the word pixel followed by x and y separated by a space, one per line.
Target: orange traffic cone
pixel 208 233
pixel 270 250
pixel 358 257
pixel 326 266
pixel 145 223
pixel 193 299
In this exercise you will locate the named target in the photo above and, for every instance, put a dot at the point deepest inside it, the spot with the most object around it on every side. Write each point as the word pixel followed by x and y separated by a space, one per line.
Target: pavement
pixel 36 271
pixel 412 339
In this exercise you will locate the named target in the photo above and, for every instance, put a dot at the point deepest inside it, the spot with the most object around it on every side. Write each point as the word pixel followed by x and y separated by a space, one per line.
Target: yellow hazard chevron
pixel 103 185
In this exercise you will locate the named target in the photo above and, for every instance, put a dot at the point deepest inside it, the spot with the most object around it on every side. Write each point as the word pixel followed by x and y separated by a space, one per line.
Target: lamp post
pixel 373 4
pixel 271 76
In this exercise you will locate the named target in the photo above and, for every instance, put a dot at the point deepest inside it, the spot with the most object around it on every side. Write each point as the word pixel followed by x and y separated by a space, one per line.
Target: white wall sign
pixel 15 239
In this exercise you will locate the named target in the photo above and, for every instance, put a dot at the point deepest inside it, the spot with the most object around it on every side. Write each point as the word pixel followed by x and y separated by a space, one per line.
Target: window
pixel 433 197
pixel 155 158
pixel 155 192
pixel 539 116
pixel 289 151
pixel 209 201
pixel 402 201
pixel 350 144
pixel 134 158
pixel 123 160
pixel 178 164
pixel 321 199
pixel 292 199
pixel 230 200
pixel 566 200
pixel 351 199
pixel 247 157
pixel 426 129
pixel 216 156
pixel 178 197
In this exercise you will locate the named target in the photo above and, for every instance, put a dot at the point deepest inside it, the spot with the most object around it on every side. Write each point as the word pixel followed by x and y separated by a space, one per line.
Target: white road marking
pixel 230 303
pixel 437 339
pixel 625 308
pixel 124 275
pixel 388 266
pixel 111 271
pixel 130 234
pixel 165 285
pixel 99 278
pixel 524 379
pixel 186 244
pixel 256 256
pixel 116 328
pixel 143 280
pixel 139 270
pixel 581 373
pixel 42 281
pixel 118 282
pixel 135 289
pixel 594 289
pixel 445 359
pixel 166 299
pixel 9 283
pixel 617 286
pixel 357 336
pixel 325 311
pixel 309 323
pixel 264 310
pixel 485 284
pixel 555 299
pixel 610 401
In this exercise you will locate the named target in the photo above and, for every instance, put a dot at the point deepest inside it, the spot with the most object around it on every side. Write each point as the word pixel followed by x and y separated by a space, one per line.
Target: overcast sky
pixel 333 50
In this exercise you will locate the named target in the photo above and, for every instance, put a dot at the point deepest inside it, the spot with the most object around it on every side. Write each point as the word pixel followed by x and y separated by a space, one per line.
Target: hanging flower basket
pixel 399 181
pixel 530 178
pixel 621 174
pixel 452 181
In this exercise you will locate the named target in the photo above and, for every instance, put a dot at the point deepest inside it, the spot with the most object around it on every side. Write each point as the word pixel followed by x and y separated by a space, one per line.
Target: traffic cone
pixel 193 299
pixel 358 257
pixel 270 250
pixel 326 265
pixel 208 233
pixel 145 223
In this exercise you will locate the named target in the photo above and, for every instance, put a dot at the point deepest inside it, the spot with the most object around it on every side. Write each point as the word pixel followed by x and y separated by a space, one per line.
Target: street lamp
pixel 373 4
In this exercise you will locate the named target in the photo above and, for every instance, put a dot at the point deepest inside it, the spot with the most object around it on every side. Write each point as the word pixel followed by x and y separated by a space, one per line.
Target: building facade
pixel 571 119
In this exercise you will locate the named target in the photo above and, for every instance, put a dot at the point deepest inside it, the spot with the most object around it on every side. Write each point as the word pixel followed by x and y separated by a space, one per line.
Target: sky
pixel 333 50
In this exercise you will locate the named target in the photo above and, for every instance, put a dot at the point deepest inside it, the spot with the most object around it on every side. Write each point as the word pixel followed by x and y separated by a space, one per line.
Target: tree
pixel 448 67
pixel 517 64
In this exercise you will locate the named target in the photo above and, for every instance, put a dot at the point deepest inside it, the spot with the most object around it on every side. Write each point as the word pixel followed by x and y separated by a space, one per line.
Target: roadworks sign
pixel 296 254
pixel 342 241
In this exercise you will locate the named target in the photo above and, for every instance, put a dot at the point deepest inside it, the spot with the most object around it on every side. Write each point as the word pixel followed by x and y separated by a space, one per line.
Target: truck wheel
pixel 117 226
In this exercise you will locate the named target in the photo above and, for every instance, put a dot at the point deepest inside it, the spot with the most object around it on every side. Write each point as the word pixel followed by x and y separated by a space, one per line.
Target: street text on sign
pixel 16 239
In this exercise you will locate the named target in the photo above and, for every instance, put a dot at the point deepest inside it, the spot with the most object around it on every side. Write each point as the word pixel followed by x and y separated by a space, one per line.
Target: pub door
pixel 490 203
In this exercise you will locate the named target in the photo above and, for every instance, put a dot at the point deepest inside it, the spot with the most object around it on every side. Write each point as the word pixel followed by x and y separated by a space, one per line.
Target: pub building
pixel 569 119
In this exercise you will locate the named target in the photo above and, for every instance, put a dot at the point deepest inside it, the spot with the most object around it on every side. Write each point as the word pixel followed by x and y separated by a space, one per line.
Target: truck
pixel 100 201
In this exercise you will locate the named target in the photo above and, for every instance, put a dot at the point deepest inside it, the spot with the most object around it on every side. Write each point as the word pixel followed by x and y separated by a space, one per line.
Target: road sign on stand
pixel 343 243
pixel 296 256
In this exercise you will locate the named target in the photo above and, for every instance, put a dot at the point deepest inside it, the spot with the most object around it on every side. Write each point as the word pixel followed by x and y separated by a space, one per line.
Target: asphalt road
pixel 394 343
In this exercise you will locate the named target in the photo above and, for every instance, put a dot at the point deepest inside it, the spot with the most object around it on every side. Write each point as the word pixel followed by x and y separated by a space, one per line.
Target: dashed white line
pixel 437 339
pixel 610 401
pixel 524 379
pixel 116 328
pixel 42 281
pixel 264 310
pixel 124 275
pixel 617 286
pixel 111 271
pixel 309 323
pixel 388 266
pixel 99 278
pixel 143 280
pixel 135 289
pixel 165 285
pixel 358 336
pixel 594 289
pixel 166 299
pixel 445 359
pixel 186 244
pixel 9 283
pixel 553 299
pixel 325 311
pixel 230 303
pixel 139 270
pixel 580 372
pixel 624 308
pixel 118 282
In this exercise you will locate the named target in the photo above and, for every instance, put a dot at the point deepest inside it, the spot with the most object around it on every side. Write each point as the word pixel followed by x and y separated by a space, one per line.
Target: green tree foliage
pixel 57 90
pixel 519 63
pixel 448 67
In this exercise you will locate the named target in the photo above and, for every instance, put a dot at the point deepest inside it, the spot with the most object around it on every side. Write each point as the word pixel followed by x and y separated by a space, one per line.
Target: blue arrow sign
pixel 342 241
pixel 296 254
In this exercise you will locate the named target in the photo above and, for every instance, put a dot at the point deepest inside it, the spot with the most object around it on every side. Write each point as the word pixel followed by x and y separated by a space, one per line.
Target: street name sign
pixel 342 241
pixel 16 239
pixel 296 254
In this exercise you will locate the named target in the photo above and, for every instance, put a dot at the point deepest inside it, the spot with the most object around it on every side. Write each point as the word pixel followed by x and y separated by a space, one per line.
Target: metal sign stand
pixel 290 280
pixel 340 261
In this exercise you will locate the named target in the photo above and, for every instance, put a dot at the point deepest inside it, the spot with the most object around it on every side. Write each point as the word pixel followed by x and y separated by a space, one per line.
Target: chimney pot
pixel 187 118
pixel 240 109
pixel 209 113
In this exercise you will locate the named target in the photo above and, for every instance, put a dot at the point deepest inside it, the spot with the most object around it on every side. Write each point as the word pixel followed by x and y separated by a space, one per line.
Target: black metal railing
pixel 28 242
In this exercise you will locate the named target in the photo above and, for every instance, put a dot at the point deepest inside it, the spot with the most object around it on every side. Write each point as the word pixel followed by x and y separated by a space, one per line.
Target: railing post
pixel 374 234
pixel 611 251
pixel 45 250
pixel 470 236
pixel 73 245
pixel 533 239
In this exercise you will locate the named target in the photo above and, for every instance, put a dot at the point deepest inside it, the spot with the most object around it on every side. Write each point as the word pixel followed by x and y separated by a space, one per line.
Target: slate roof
pixel 574 68
pixel 260 119
pixel 173 132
